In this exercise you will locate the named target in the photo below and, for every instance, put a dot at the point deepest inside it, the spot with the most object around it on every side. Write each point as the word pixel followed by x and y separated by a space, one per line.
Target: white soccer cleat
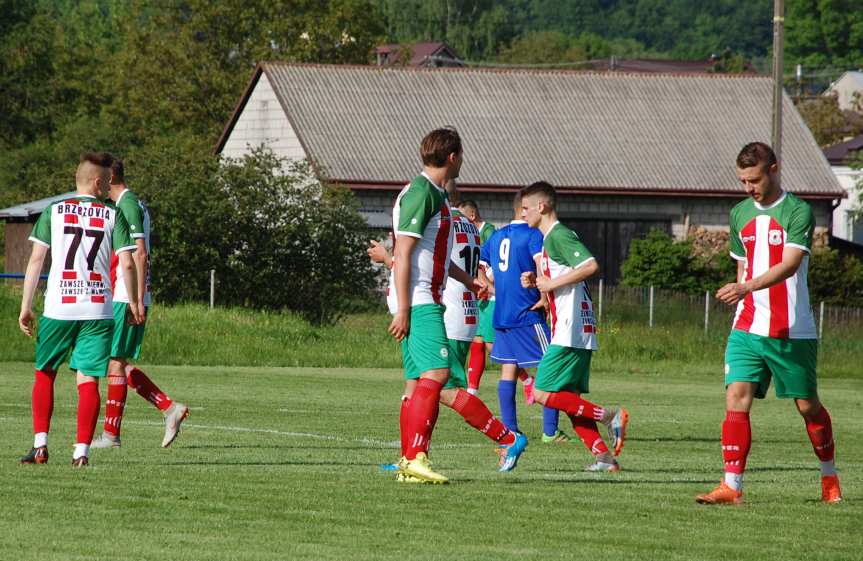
pixel 105 440
pixel 174 416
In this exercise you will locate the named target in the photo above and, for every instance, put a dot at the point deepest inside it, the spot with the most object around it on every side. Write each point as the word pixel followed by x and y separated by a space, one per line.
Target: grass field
pixel 282 463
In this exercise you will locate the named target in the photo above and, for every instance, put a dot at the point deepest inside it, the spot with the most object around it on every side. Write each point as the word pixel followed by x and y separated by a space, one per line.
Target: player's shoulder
pixel 797 203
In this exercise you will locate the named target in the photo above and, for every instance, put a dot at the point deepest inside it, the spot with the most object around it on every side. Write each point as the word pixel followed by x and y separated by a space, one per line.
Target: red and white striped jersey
pixel 421 211
pixel 570 306
pixel 461 316
pixel 759 234
pixel 81 232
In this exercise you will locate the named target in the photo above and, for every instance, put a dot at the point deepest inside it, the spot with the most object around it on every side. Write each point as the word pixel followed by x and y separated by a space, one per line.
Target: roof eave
pixel 238 110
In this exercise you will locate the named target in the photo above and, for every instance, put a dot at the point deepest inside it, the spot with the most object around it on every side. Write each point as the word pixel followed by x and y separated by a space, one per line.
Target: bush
pixel 835 279
pixel 657 260
pixel 276 237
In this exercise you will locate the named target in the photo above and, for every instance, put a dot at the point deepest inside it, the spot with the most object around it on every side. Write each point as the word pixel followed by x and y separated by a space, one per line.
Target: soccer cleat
pixel 830 491
pixel 389 467
pixel 612 466
pixel 722 495
pixel 105 440
pixel 617 429
pixel 80 462
pixel 420 468
pixel 510 453
pixel 36 456
pixel 174 416
pixel 528 392
pixel 405 478
pixel 558 437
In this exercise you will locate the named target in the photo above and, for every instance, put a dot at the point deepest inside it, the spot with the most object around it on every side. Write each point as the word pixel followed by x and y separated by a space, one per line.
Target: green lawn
pixel 282 463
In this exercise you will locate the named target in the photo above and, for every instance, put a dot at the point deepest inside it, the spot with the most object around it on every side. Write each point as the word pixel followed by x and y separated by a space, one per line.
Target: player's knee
pixel 808 407
pixel 540 396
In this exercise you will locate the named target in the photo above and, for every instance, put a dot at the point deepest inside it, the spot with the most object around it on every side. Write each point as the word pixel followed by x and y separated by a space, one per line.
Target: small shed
pixel 19 221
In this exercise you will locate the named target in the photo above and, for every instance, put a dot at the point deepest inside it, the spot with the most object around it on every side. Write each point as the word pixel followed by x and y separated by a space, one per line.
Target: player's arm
pixel 142 263
pixel 543 299
pixel 582 272
pixel 474 285
pixel 31 280
pixel 486 280
pixel 733 292
pixel 123 246
pixel 400 324
pixel 379 254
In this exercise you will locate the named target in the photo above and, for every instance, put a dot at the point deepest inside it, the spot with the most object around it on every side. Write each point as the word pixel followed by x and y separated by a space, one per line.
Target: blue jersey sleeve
pixel 485 253
pixel 535 243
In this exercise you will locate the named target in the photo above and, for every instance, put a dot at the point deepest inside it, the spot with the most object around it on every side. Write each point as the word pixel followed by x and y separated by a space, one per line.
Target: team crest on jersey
pixel 443 352
pixel 774 237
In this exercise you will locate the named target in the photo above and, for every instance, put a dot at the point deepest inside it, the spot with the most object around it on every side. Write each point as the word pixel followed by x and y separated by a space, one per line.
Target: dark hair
pixel 118 171
pixel 756 153
pixel 438 145
pixel 516 201
pixel 469 203
pixel 101 159
pixel 541 188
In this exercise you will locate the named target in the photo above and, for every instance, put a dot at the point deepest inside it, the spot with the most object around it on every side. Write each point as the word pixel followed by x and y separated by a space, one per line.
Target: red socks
pixel 117 391
pixel 477 415
pixel 573 405
pixel 147 389
pixel 820 430
pixel 587 431
pixel 421 413
pixel 522 374
pixel 475 364
pixel 403 423
pixel 88 411
pixel 43 400
pixel 736 440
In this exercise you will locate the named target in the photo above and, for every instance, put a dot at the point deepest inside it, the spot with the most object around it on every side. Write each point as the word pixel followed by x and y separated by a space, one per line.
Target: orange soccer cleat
pixel 722 495
pixel 830 491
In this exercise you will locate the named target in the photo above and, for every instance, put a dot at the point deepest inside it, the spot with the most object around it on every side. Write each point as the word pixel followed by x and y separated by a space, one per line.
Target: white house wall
pixel 263 122
pixel 844 226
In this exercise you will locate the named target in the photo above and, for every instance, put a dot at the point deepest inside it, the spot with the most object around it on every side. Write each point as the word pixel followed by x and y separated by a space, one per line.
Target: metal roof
pixel 26 210
pixel 581 131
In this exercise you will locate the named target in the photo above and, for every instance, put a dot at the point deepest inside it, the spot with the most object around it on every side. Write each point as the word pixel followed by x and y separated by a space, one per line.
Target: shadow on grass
pixel 713 440
pixel 273 447
pixel 265 463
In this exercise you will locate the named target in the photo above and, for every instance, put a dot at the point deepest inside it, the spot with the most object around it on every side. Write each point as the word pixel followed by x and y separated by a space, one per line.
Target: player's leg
pixel 90 358
pixel 173 411
pixel 54 338
pixel 563 375
pixel 527 386
pixel 506 388
pixel 428 348
pixel 476 364
pixel 114 403
pixel 746 378
pixel 794 364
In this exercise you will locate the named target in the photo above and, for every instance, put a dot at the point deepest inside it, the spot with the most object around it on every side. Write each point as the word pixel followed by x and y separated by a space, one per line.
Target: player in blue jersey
pixel 521 333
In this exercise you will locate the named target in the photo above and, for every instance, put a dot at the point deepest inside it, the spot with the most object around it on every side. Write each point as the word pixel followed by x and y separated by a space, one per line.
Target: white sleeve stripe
pixel 797 246
pixel 126 248
pixel 537 254
pixel 38 241
pixel 411 234
pixel 735 256
pixel 586 261
pixel 138 236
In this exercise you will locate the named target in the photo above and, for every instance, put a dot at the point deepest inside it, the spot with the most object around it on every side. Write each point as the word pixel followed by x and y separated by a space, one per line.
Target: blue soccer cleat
pixel 512 452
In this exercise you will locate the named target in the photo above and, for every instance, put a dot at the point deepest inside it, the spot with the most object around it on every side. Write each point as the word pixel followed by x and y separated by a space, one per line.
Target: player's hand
pixel 143 309
pixel 480 289
pixel 377 252
pixel 528 280
pixel 25 322
pixel 135 315
pixel 732 293
pixel 541 304
pixel 544 284
pixel 400 326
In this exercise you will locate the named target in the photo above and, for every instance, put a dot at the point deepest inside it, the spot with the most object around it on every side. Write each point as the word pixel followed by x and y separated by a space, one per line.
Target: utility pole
pixel 778 26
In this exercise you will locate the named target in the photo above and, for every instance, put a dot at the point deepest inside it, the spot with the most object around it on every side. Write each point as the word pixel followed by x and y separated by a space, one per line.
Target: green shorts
pixel 127 338
pixel 88 339
pixel 486 317
pixel 564 369
pixel 790 362
pixel 426 347
pixel 458 351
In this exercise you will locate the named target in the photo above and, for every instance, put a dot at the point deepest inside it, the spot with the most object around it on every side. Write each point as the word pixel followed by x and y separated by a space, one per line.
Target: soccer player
pixel 127 340
pixel 81 233
pixel 422 222
pixel 521 333
pixel 564 372
pixel 773 335
pixel 484 338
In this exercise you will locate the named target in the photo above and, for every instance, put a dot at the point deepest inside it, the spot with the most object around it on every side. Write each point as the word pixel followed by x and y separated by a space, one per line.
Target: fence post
pixel 650 323
pixel 706 310
pixel 212 288
pixel 600 300
pixel 821 322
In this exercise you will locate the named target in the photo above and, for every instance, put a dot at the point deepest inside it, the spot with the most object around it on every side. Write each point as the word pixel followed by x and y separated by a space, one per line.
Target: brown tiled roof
pixel 843 153
pixel 584 131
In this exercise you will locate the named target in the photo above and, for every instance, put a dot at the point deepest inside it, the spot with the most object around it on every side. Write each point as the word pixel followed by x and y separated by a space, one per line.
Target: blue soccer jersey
pixel 509 252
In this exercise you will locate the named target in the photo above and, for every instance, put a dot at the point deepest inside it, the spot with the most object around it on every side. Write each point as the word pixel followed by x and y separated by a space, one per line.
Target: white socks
pixel 40 439
pixel 734 480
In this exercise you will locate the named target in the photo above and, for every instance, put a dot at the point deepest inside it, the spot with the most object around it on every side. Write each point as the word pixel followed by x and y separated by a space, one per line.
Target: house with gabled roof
pixel 845 158
pixel 628 152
